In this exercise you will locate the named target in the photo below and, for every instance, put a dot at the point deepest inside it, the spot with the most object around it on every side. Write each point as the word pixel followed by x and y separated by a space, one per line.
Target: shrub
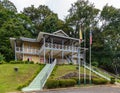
pixel 1 57
pixel 21 62
pixel 81 80
pixel 2 62
pixel 52 83
pixel 17 62
pixel 95 64
pixel 31 62
pixel 70 63
pixel 112 81
pixel 66 82
pixel 99 81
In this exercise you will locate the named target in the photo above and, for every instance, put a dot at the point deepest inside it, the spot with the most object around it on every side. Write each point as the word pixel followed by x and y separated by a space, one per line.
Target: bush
pixel 95 64
pixel 16 62
pixel 31 62
pixel 112 81
pixel 70 63
pixel 2 62
pixel 81 80
pixel 99 81
pixel 67 82
pixel 52 83
pixel 1 57
pixel 21 62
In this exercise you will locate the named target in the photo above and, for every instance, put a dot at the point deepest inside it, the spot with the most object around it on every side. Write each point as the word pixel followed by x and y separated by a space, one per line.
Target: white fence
pixel 27 50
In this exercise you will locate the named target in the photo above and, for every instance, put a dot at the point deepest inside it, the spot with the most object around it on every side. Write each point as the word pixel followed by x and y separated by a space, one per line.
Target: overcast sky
pixel 61 7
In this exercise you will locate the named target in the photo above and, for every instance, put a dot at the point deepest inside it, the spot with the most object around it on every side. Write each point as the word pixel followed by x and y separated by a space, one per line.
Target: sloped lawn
pixel 10 80
pixel 61 70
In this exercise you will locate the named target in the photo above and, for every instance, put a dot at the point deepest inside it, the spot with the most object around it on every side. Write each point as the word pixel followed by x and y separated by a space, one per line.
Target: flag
pixel 90 37
pixel 80 35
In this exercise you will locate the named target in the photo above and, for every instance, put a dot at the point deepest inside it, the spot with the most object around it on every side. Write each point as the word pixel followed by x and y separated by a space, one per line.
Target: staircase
pixel 40 80
pixel 68 59
pixel 99 74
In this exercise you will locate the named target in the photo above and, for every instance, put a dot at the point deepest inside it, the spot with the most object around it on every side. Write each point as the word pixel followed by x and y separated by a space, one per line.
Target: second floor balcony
pixel 61 47
pixel 27 50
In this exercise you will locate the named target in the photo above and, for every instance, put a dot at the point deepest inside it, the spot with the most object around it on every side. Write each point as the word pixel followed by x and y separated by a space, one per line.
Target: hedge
pixel 67 82
pixel 21 62
pixel 81 80
pixel 53 83
pixel 112 81
pixel 99 81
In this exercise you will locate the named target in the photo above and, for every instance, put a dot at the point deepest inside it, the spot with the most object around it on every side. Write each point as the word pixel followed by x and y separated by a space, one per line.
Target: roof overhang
pixel 42 34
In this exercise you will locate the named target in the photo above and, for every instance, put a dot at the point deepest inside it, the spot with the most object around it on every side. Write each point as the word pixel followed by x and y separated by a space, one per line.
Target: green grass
pixel 61 70
pixel 10 80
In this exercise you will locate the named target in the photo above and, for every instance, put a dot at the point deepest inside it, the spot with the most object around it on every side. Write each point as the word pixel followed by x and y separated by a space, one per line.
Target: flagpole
pixel 84 57
pixel 79 48
pixel 90 58
pixel 79 62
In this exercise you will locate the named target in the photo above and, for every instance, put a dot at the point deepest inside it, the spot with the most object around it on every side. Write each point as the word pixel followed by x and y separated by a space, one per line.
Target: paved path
pixel 93 89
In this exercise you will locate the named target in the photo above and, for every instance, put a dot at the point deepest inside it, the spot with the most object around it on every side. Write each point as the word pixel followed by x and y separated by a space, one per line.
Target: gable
pixel 60 33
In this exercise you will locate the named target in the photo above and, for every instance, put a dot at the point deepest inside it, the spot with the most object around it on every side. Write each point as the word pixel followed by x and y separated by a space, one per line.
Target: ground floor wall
pixel 34 58
pixel 40 59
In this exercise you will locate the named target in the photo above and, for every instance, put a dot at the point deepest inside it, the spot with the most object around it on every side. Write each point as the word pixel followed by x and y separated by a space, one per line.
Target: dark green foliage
pixel 53 83
pixel 50 24
pixel 2 58
pixel 67 82
pixel 81 80
pixel 12 25
pixel 21 62
pixel 70 63
pixel 112 81
pixel 81 13
pixel 99 81
pixel 8 5
pixel 95 64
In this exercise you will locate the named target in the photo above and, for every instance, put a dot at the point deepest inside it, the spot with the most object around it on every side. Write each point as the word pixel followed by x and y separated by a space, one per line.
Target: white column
pixel 52 49
pixel 62 49
pixel 15 50
pixel 72 52
pixel 44 50
pixel 23 51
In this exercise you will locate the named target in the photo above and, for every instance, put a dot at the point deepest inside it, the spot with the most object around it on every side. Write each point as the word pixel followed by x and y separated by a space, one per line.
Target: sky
pixel 61 7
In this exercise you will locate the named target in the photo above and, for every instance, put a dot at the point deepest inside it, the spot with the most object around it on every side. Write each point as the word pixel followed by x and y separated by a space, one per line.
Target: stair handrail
pixel 47 74
pixel 103 76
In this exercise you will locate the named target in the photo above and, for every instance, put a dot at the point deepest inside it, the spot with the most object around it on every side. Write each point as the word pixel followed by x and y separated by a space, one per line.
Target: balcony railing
pixel 61 47
pixel 27 50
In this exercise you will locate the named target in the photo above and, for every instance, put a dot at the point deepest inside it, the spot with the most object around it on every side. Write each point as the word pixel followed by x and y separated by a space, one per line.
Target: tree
pixel 82 13
pixel 37 15
pixel 9 5
pixel 12 25
pixel 110 18
pixel 50 24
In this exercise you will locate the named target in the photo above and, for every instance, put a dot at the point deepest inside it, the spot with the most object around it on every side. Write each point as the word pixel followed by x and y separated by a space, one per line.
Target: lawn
pixel 61 70
pixel 10 80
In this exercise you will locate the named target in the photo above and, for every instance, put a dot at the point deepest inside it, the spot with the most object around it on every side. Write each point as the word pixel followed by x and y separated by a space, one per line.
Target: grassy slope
pixel 64 69
pixel 10 80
